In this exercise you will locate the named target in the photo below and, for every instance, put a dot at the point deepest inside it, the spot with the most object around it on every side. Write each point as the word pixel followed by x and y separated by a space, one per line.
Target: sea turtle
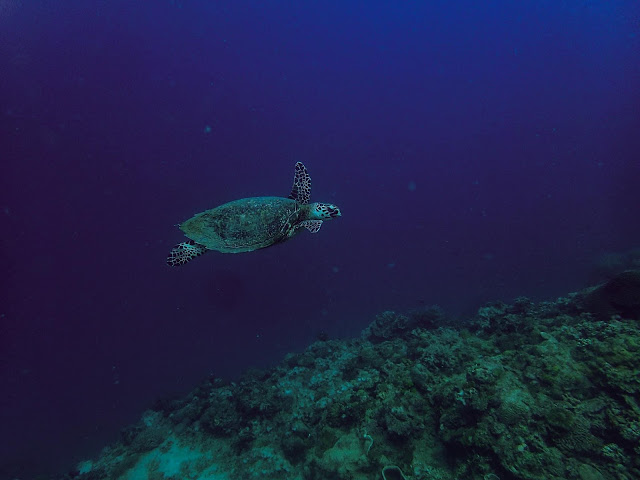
pixel 251 223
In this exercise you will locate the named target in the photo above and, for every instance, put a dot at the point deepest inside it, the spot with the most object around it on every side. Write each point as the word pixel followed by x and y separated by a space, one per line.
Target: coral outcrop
pixel 545 391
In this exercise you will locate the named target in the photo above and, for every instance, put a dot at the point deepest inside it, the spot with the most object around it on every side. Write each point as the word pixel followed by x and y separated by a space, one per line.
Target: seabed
pixel 522 391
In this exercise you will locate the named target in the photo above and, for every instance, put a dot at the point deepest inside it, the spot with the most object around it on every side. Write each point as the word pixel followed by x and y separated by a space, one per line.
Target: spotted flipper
pixel 184 252
pixel 301 191
pixel 312 225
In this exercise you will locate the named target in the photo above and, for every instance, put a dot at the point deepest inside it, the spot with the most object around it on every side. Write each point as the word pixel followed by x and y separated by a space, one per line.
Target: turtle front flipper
pixel 312 225
pixel 184 252
pixel 301 190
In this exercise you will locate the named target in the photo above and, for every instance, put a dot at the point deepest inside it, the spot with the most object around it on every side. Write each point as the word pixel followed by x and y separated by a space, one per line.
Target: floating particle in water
pixel 116 375
pixel 412 186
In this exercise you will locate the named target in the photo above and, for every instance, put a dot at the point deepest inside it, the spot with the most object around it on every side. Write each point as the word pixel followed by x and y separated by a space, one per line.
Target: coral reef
pixel 522 391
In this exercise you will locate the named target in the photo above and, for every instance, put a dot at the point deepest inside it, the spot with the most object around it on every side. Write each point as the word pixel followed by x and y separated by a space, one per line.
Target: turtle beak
pixel 334 212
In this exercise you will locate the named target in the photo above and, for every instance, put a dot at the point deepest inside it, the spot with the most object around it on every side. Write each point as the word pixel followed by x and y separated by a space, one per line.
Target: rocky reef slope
pixel 523 391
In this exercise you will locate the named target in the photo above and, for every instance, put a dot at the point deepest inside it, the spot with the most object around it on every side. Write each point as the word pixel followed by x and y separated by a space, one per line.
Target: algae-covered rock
pixel 387 325
pixel 346 459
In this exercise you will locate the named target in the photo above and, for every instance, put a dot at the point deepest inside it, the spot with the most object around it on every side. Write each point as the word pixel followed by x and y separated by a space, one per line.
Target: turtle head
pixel 323 211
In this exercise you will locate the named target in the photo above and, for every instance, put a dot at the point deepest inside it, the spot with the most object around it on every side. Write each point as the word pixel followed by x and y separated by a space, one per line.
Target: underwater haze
pixel 478 151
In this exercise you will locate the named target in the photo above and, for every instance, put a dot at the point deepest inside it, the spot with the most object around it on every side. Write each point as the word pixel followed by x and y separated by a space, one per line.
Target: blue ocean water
pixel 478 151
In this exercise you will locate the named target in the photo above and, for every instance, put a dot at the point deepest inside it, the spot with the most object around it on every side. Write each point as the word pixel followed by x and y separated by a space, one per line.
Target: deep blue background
pixel 478 151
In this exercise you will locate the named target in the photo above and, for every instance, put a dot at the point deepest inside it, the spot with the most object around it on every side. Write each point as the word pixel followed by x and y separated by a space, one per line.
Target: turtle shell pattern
pixel 245 225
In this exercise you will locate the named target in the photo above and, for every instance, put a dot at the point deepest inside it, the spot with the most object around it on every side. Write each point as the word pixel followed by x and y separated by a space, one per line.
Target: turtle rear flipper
pixel 184 252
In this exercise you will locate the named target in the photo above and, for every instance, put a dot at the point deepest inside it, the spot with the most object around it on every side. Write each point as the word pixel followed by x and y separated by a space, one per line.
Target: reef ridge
pixel 532 391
